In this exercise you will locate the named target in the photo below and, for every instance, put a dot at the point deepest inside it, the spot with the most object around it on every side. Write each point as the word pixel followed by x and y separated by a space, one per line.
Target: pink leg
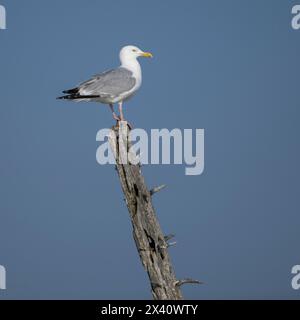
pixel 113 112
pixel 121 111
pixel 122 115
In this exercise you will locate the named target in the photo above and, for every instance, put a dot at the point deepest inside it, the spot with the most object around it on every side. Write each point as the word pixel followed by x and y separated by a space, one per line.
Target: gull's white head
pixel 132 53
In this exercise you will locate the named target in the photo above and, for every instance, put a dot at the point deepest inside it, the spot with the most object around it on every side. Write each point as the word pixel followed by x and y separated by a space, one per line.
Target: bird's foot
pixel 116 117
pixel 125 121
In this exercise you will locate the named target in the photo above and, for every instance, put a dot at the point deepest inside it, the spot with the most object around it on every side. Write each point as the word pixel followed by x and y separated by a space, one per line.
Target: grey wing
pixel 111 83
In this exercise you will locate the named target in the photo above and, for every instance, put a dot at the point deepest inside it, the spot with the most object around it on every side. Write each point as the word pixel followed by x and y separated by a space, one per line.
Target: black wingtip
pixel 67 97
pixel 70 94
pixel 77 97
pixel 61 98
pixel 71 91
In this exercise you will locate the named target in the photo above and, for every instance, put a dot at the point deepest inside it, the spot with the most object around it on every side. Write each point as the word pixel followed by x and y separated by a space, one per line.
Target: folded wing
pixel 112 83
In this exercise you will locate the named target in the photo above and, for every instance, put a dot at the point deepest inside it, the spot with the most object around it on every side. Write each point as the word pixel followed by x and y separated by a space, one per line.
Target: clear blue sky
pixel 230 67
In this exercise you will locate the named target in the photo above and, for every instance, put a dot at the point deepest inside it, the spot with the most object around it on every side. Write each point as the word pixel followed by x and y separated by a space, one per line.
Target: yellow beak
pixel 147 55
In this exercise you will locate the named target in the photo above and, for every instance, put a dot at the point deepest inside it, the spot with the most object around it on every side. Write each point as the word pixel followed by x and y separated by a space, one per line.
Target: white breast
pixel 134 66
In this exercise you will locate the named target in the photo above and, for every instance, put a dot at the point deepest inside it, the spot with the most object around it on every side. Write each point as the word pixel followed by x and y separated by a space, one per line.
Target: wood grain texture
pixel 150 241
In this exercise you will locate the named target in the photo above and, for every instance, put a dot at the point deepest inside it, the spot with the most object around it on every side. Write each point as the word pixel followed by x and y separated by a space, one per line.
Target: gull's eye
pixel 134 50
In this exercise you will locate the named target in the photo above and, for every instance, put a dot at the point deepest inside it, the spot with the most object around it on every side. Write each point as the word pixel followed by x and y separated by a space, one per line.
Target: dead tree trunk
pixel 150 241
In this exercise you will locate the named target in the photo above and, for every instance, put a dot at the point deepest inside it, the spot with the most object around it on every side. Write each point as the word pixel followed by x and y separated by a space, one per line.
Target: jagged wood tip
pixel 157 189
pixel 187 281
pixel 169 237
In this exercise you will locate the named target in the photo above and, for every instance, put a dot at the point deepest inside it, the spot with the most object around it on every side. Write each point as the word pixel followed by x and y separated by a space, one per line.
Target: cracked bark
pixel 150 241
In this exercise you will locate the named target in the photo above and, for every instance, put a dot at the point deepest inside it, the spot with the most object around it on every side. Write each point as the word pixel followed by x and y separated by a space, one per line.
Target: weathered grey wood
pixel 157 189
pixel 148 236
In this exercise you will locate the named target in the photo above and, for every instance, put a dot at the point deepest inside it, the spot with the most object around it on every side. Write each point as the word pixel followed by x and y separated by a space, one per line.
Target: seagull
pixel 112 86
